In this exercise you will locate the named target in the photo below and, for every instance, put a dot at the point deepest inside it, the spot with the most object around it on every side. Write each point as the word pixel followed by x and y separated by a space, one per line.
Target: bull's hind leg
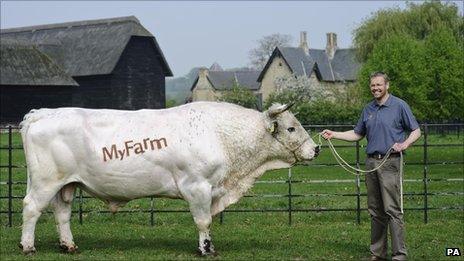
pixel 36 200
pixel 62 204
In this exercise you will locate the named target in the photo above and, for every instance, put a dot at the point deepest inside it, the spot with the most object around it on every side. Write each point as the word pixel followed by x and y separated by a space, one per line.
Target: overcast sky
pixel 198 33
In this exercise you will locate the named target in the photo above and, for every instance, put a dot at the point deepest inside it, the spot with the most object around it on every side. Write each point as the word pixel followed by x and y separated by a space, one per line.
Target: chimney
pixel 304 42
pixel 331 44
pixel 203 72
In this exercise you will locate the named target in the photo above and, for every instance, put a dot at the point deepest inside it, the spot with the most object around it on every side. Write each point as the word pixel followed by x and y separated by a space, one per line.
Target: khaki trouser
pixel 384 206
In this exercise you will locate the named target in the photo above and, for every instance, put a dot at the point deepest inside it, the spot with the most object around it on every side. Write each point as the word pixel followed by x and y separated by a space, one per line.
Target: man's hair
pixel 379 74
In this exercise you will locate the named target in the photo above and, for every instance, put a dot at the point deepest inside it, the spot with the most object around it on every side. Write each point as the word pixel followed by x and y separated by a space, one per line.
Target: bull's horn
pixel 290 105
pixel 275 110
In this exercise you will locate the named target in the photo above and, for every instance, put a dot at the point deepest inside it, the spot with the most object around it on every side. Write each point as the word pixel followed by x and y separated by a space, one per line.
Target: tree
pixel 444 59
pixel 421 49
pixel 417 21
pixel 402 59
pixel 298 89
pixel 315 104
pixel 170 103
pixel 241 96
pixel 291 88
pixel 266 45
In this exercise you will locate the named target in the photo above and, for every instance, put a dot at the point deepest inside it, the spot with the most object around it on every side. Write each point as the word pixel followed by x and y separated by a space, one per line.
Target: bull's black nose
pixel 317 149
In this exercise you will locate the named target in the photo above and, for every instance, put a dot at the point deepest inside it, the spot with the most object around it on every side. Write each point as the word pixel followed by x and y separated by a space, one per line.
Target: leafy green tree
pixel 444 59
pixel 240 95
pixel 421 49
pixel 327 112
pixel 417 21
pixel 402 59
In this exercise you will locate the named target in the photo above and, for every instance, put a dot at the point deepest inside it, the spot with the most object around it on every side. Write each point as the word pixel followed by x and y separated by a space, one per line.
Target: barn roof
pixel 24 64
pixel 85 48
pixel 342 67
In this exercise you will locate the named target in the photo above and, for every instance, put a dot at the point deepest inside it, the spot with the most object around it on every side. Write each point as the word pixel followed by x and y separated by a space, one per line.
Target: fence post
pixel 425 174
pixel 80 206
pixel 459 130
pixel 358 189
pixel 289 196
pixel 10 179
pixel 221 217
pixel 152 214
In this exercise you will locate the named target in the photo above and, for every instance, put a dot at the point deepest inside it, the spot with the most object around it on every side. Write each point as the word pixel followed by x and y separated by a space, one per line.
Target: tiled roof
pixel 342 67
pixel 225 80
pixel 222 80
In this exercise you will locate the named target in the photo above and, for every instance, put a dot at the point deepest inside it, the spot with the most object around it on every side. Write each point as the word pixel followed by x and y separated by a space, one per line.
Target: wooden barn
pixel 110 63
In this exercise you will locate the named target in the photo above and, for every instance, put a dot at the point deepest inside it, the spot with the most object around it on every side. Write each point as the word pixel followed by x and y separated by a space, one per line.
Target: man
pixel 384 122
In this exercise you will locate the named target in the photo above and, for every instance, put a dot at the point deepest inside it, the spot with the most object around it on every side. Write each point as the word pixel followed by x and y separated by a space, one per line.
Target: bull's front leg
pixel 198 195
pixel 205 243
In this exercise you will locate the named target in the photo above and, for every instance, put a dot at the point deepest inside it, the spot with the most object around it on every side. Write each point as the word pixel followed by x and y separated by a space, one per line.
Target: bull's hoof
pixel 205 253
pixel 207 249
pixel 27 250
pixel 70 249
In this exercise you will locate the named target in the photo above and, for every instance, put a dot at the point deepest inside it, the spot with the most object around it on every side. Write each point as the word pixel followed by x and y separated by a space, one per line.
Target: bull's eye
pixel 291 129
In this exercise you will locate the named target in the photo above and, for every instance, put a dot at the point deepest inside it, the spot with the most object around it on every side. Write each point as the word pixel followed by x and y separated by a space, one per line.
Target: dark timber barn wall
pixel 138 78
pixel 94 92
pixel 136 82
pixel 111 63
pixel 18 100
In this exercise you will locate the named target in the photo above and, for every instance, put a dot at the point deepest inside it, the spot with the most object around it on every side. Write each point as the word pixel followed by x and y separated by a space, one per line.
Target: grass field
pixel 330 235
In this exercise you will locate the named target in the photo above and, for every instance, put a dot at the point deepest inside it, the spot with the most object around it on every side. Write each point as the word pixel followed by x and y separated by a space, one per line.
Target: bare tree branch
pixel 260 54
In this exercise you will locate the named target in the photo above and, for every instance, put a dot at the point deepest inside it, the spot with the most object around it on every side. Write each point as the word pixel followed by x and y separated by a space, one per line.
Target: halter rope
pixel 346 166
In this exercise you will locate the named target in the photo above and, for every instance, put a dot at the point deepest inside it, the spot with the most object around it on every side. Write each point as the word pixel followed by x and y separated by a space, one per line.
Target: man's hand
pixel 400 146
pixel 346 135
pixel 327 134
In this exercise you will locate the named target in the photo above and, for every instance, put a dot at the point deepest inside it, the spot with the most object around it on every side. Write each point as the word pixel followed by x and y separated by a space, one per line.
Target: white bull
pixel 206 153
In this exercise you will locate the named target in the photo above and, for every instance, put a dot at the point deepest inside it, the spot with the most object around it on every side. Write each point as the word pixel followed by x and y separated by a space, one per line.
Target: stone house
pixel 332 67
pixel 212 82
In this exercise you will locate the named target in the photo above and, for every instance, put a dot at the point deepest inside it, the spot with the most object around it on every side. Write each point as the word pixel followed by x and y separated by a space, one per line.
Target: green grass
pixel 313 235
pixel 333 236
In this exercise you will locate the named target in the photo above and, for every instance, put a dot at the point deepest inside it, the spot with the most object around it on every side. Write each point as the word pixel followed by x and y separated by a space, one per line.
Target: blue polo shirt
pixel 385 125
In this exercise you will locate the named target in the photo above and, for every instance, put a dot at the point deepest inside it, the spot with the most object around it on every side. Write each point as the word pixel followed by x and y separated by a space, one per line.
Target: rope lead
pixel 358 172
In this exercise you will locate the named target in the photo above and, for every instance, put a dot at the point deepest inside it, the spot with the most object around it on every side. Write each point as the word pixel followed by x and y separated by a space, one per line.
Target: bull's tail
pixel 32 116
pixel 29 118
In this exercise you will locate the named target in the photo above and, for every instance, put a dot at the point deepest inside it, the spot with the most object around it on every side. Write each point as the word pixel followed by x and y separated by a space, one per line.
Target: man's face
pixel 378 87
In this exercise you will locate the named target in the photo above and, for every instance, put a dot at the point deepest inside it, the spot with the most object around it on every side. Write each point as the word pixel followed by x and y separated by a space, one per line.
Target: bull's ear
pixel 272 127
pixel 276 109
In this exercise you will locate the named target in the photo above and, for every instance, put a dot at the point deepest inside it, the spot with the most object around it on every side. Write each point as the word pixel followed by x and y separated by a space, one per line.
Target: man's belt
pixel 381 156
